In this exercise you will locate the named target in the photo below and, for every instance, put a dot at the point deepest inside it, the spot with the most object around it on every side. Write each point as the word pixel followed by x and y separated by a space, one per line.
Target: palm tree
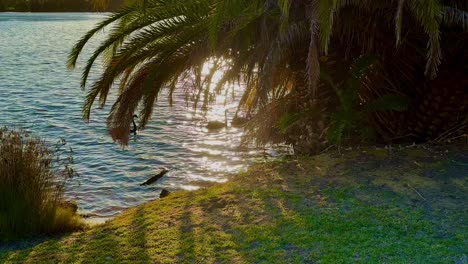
pixel 276 47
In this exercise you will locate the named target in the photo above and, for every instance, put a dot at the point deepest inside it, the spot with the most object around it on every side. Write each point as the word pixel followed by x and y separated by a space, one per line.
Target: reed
pixel 31 188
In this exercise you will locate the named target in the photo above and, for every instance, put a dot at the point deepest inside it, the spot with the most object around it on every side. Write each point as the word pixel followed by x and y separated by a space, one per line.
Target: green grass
pixel 351 208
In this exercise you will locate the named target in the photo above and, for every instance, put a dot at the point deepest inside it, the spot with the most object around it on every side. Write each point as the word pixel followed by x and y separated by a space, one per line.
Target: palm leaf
pixel 452 16
pixel 388 102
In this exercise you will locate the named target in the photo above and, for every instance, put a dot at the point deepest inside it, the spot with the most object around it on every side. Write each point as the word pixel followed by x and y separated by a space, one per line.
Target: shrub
pixel 31 187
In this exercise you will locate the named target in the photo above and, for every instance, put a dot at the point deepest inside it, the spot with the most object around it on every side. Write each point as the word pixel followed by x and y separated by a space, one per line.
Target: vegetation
pixel 315 73
pixel 55 6
pixel 30 190
pixel 278 49
pixel 365 206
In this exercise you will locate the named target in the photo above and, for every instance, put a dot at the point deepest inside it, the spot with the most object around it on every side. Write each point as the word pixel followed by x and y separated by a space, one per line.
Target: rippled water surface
pixel 38 93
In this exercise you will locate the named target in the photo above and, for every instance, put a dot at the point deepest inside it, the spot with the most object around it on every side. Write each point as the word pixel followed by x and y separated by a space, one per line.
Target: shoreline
pixel 95 221
pixel 54 12
pixel 375 204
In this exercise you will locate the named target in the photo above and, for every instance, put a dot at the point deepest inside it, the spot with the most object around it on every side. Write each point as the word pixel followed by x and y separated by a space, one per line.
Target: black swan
pixel 134 129
pixel 216 125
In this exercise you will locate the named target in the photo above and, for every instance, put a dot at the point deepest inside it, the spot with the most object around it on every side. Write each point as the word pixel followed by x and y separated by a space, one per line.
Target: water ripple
pixel 38 93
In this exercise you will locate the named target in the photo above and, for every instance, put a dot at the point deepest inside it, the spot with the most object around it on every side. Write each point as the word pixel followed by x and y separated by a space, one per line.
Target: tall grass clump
pixel 32 179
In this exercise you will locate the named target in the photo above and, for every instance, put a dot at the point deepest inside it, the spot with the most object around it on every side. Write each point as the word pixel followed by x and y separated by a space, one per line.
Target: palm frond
pixel 78 48
pixel 428 13
pixel 277 50
pixel 455 17
pixel 399 21
pixel 313 65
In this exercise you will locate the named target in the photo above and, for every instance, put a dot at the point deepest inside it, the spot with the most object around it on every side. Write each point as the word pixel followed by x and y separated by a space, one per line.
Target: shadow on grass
pixel 109 244
pixel 24 246
pixel 186 253
pixel 321 209
pixel 362 210
pixel 138 240
pixel 102 244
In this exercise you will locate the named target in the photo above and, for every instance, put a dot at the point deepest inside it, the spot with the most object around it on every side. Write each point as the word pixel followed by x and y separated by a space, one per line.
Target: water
pixel 38 93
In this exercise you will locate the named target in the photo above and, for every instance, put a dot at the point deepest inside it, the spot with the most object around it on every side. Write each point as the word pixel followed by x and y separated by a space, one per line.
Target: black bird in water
pixel 217 125
pixel 134 129
pixel 156 177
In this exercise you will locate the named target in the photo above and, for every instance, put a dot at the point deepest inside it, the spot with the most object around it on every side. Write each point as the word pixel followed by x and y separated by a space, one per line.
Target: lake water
pixel 39 94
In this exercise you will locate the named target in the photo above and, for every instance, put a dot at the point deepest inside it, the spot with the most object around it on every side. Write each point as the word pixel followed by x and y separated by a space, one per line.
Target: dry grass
pixel 30 189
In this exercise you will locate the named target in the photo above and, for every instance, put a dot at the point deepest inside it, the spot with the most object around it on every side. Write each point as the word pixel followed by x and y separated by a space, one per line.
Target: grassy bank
pixel 407 206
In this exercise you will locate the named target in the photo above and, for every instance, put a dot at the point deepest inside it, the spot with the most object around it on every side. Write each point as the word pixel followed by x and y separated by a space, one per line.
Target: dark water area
pixel 39 94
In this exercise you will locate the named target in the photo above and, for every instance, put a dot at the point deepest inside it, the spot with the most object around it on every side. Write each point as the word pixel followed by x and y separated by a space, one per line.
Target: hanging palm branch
pixel 273 46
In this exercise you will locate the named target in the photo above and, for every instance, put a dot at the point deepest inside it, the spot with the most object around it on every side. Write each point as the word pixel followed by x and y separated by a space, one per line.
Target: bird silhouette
pixel 217 125
pixel 134 129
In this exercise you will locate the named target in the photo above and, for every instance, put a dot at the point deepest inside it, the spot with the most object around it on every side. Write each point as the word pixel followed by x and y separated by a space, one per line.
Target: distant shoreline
pixel 53 12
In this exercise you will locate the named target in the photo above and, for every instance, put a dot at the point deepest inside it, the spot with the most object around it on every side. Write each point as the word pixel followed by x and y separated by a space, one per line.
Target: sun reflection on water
pixel 176 138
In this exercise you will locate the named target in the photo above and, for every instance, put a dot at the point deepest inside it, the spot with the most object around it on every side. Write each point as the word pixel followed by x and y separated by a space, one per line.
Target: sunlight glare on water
pixel 39 94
